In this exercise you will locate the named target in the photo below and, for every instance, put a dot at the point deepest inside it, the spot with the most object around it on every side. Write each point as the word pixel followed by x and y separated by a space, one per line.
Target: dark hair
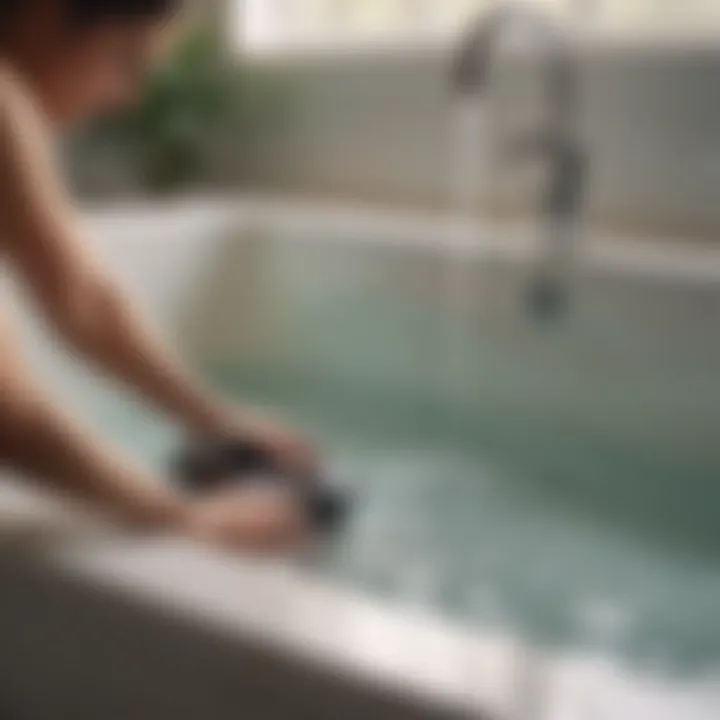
pixel 88 12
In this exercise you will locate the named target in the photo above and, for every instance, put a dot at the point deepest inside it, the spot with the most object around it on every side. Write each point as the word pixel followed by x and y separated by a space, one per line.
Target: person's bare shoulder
pixel 21 117
pixel 14 97
pixel 28 182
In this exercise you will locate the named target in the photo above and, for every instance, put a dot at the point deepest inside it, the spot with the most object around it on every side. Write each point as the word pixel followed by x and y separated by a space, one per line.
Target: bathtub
pixel 536 529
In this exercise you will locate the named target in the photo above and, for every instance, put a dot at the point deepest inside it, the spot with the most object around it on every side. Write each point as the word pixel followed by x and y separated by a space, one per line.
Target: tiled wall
pixel 380 126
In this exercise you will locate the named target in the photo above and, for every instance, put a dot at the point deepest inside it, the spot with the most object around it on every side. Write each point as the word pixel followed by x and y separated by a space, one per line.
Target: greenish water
pixel 613 410
pixel 438 525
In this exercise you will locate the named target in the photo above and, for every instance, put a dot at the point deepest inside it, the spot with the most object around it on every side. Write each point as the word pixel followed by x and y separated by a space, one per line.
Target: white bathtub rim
pixel 676 260
pixel 391 648
pixel 401 649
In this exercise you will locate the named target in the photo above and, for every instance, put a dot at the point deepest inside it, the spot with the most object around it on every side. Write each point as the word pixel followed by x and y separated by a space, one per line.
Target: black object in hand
pixel 213 466
pixel 547 298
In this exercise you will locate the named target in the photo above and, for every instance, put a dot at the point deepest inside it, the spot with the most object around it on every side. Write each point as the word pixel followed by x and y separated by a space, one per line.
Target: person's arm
pixel 44 242
pixel 39 439
pixel 46 245
pixel 42 442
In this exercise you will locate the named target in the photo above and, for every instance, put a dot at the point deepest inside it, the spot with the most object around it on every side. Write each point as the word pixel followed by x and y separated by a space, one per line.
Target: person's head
pixel 84 57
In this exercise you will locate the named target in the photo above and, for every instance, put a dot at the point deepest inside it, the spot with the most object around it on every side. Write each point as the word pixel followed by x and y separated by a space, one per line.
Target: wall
pixel 380 126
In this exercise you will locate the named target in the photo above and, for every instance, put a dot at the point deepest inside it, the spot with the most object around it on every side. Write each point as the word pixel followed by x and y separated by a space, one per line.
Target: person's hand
pixel 259 519
pixel 291 452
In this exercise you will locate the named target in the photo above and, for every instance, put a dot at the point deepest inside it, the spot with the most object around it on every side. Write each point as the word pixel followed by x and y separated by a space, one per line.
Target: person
pixel 61 62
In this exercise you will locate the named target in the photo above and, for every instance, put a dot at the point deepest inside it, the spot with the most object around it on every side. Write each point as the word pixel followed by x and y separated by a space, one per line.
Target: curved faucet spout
pixel 472 66
pixel 557 141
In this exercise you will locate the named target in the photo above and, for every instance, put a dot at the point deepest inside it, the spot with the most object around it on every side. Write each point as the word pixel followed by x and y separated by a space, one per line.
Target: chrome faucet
pixel 558 141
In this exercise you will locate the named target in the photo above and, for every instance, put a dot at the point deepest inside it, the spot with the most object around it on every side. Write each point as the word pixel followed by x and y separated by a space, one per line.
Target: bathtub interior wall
pixel 613 406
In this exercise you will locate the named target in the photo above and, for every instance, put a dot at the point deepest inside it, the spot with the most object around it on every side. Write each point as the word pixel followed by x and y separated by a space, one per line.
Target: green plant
pixel 198 99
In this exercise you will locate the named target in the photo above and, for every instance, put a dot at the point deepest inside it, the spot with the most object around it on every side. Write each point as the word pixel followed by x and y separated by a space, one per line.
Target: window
pixel 281 25
pixel 650 14
pixel 268 25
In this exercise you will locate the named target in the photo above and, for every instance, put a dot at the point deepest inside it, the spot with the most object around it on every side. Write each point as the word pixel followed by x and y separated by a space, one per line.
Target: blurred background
pixel 352 100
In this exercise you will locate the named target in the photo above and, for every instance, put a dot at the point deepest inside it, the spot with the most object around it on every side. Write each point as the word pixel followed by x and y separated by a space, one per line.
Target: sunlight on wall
pixel 264 26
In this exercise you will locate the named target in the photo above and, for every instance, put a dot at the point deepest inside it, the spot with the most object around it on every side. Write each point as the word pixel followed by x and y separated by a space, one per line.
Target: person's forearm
pixel 41 441
pixel 113 335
